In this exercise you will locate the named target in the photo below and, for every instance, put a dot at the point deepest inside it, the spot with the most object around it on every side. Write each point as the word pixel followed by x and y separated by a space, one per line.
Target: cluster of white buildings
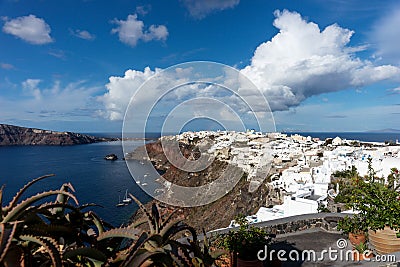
pixel 299 168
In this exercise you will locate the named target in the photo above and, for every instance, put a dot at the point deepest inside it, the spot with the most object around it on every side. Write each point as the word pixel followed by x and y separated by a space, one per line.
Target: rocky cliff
pixel 214 215
pixel 14 135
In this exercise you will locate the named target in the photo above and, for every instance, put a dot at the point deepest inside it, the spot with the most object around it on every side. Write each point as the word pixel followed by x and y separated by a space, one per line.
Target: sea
pixel 94 179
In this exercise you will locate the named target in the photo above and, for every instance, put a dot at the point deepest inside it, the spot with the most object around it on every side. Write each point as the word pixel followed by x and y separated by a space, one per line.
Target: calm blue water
pixel 94 179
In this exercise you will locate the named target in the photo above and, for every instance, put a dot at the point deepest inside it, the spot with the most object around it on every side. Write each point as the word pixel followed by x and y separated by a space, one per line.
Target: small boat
pixel 120 204
pixel 127 199
pixel 144 184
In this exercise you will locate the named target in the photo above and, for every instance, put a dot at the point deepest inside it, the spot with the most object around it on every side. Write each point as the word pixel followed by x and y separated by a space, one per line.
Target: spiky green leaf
pixel 87 252
pixel 120 233
pixel 19 208
pixel 6 236
pixel 50 246
pixel 23 189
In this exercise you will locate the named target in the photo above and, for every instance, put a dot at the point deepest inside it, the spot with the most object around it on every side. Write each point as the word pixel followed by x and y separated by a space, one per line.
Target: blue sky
pixel 327 65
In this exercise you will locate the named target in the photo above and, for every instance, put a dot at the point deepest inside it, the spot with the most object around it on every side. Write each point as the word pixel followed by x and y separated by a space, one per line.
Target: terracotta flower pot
pixel 384 241
pixel 357 238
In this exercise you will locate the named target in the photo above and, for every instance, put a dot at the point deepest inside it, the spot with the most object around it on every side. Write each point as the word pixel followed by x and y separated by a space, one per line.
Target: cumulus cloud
pixel 131 30
pixel 302 60
pixel 30 29
pixel 199 9
pixel 120 90
pixel 386 36
pixel 83 34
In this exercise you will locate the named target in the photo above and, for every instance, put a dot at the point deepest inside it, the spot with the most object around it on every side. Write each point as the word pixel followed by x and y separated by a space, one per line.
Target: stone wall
pixel 325 221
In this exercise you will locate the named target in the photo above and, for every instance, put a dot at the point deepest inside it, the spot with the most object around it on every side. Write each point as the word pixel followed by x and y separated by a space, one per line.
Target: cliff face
pixel 219 213
pixel 14 135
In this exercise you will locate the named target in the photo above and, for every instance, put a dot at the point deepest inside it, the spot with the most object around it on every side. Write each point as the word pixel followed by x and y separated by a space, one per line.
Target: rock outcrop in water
pixel 14 135
pixel 111 157
pixel 214 215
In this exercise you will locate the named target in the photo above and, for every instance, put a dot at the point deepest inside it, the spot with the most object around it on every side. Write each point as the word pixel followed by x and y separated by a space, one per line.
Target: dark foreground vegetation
pixel 51 228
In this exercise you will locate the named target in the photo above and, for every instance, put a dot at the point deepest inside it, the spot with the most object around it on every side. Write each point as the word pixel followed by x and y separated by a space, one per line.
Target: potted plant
pixel 244 243
pixel 355 227
pixel 379 207
pixel 362 252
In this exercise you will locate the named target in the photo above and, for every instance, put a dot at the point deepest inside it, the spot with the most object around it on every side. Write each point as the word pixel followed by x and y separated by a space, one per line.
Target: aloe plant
pixel 31 229
pixel 37 231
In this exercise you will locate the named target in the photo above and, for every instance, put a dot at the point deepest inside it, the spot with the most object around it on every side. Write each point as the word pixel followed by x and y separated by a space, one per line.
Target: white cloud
pixel 73 101
pixel 31 87
pixel 302 60
pixel 201 8
pixel 57 53
pixel 131 30
pixel 83 34
pixel 120 90
pixel 386 35
pixel 299 62
pixel 143 10
pixel 159 32
pixel 30 29
pixel 394 90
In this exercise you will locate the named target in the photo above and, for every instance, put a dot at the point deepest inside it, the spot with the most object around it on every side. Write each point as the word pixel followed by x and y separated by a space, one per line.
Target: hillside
pixel 15 135
pixel 218 213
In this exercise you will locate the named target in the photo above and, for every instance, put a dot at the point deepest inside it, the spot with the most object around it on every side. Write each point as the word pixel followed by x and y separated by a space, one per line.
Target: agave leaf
pixel 149 218
pixel 134 249
pixel 49 244
pixel 154 243
pixel 173 228
pixel 36 209
pixel 97 221
pixel 33 218
pixel 146 258
pixel 180 253
pixel 168 219
pixel 50 229
pixel 50 205
pixel 155 217
pixel 143 257
pixel 137 223
pixel 45 210
pixel 120 233
pixel 6 236
pixel 23 189
pixel 13 214
pixel 61 198
pixel 87 252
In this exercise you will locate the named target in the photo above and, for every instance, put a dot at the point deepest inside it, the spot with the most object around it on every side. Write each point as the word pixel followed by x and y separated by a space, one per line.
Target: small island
pixel 11 135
